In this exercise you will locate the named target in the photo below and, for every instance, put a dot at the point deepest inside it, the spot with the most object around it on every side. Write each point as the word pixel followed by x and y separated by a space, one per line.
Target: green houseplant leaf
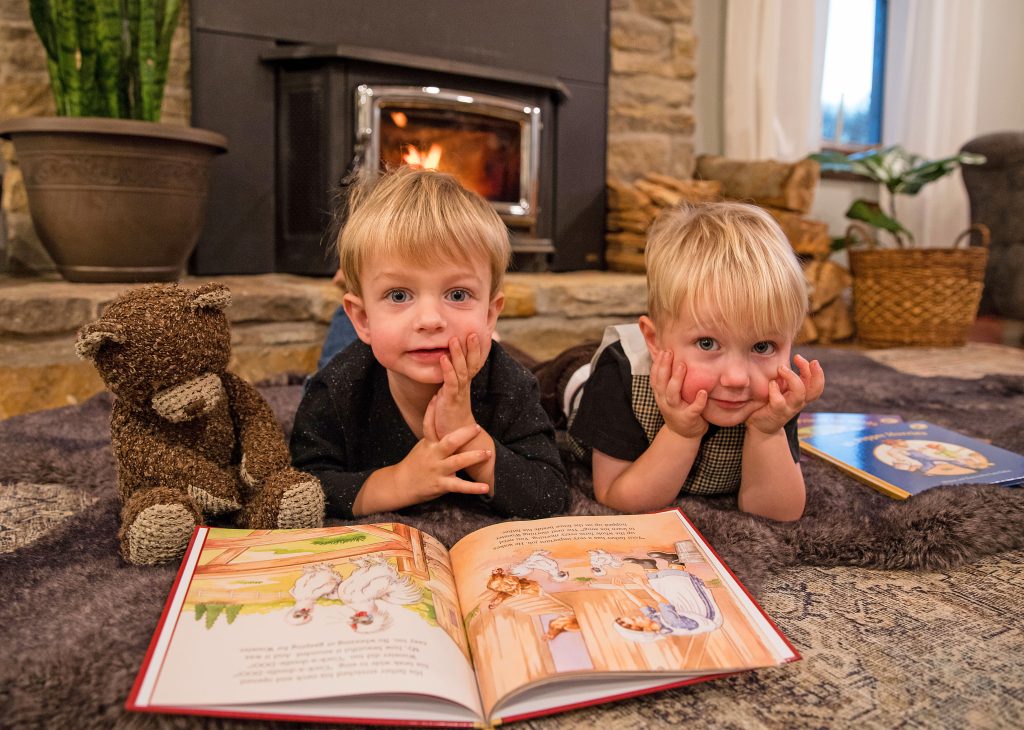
pixel 900 172
pixel 915 179
pixel 107 58
pixel 871 213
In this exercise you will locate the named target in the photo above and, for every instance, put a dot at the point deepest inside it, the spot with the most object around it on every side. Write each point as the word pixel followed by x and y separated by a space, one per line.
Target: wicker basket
pixel 917 296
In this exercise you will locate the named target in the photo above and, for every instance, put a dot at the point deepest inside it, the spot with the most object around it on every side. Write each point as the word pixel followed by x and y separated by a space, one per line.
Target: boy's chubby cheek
pixel 696 382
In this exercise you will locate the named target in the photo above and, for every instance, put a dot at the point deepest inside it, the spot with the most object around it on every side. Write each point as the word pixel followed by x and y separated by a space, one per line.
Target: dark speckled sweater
pixel 348 426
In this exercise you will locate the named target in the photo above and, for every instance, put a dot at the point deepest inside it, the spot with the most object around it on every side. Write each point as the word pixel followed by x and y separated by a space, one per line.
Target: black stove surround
pixel 285 82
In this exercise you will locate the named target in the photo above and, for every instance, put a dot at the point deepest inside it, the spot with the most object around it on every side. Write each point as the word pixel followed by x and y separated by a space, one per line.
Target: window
pixel 851 88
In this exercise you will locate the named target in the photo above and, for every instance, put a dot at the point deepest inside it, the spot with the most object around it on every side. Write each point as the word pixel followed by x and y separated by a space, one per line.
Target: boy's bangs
pixel 736 312
pixel 424 240
pixel 419 245
pixel 758 308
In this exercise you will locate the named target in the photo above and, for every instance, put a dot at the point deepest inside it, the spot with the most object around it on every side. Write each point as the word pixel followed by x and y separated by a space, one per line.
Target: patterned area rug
pixel 29 511
pixel 973 360
pixel 884 645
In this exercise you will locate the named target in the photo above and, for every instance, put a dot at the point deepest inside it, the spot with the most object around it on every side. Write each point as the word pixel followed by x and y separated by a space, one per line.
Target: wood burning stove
pixel 491 144
pixel 309 90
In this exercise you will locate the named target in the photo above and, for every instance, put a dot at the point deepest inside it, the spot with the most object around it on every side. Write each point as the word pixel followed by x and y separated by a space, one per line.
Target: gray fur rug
pixel 76 621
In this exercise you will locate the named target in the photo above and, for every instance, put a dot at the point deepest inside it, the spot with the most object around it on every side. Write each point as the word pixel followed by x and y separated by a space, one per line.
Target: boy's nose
pixel 429 317
pixel 735 375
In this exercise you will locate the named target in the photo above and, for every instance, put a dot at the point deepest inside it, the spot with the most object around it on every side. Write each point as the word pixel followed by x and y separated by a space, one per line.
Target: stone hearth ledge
pixel 278 324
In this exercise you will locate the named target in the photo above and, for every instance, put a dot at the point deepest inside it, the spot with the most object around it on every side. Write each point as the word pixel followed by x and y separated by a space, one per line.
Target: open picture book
pixel 903 458
pixel 381 623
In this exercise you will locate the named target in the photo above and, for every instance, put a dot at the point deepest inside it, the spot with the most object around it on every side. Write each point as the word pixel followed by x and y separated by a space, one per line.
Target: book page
pixel 271 616
pixel 585 597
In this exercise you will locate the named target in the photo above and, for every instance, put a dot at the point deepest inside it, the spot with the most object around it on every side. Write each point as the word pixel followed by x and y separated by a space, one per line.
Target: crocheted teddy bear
pixel 191 439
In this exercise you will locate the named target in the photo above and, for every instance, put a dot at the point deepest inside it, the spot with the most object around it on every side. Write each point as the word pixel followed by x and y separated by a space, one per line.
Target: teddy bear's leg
pixel 156 525
pixel 288 499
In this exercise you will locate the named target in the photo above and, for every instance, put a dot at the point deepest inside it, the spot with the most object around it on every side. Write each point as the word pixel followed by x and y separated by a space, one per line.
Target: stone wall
pixel 278 323
pixel 650 88
pixel 25 91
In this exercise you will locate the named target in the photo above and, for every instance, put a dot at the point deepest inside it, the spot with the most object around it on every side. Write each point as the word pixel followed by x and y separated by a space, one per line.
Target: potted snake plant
pixel 906 293
pixel 114 194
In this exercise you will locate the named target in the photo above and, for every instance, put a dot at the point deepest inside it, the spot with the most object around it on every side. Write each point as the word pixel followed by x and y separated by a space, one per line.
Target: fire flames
pixel 428 161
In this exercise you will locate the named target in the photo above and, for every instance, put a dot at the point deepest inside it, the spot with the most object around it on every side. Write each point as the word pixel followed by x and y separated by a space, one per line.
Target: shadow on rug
pixel 76 620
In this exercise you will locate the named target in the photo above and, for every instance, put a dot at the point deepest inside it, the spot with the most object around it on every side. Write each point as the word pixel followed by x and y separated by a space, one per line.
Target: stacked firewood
pixel 785 190
pixel 830 319
pixel 632 207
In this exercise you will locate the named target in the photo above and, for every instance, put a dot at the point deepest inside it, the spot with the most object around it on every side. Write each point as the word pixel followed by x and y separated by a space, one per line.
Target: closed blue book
pixel 902 458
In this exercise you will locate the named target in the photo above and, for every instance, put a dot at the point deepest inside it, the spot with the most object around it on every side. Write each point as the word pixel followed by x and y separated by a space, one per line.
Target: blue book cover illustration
pixel 903 458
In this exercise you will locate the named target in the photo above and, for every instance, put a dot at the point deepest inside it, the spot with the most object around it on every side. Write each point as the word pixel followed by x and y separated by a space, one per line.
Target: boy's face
pixel 733 368
pixel 409 312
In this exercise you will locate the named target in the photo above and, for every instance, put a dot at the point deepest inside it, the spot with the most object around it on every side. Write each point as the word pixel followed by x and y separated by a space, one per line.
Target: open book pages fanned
pixel 381 623
pixel 903 458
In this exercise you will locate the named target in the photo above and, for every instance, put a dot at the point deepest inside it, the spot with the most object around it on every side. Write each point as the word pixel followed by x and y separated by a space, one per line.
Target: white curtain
pixel 773 65
pixel 933 61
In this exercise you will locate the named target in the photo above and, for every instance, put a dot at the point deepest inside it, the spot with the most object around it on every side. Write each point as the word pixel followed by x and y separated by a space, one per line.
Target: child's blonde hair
pixel 724 263
pixel 419 216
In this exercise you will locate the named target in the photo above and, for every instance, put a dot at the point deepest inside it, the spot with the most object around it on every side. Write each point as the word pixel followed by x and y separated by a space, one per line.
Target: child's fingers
pixel 459 438
pixel 700 402
pixel 804 368
pixel 777 402
pixel 675 382
pixel 448 373
pixel 464 459
pixel 802 365
pixel 454 484
pixel 474 354
pixel 812 375
pixel 429 427
pixel 458 358
pixel 659 371
pixel 816 381
pixel 795 389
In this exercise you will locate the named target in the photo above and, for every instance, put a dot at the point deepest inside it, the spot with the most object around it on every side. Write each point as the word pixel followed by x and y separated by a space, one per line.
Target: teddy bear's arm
pixel 148 459
pixel 264 450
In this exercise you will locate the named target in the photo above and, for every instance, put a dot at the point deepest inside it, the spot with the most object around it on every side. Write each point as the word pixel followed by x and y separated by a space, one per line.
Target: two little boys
pixel 698 397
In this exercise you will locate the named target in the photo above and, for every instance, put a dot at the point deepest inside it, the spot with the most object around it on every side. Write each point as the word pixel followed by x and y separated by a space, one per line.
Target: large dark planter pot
pixel 115 200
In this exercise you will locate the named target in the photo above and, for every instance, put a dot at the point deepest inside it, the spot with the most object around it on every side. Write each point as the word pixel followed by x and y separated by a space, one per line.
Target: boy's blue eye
pixel 764 347
pixel 459 295
pixel 707 343
pixel 397 296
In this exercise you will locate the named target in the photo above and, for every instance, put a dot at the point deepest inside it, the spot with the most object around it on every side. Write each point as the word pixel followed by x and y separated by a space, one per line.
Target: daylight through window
pixel 851 90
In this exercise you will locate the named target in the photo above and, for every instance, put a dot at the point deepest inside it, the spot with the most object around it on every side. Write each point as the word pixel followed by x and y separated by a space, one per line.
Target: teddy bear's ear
pixel 92 337
pixel 211 296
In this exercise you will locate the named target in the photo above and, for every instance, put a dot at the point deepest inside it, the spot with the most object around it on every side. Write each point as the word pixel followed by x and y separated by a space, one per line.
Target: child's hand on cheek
pixel 454 408
pixel 812 376
pixel 787 395
pixel 684 419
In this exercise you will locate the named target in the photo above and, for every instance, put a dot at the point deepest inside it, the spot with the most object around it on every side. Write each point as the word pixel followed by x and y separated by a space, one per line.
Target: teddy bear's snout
pixel 189 400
